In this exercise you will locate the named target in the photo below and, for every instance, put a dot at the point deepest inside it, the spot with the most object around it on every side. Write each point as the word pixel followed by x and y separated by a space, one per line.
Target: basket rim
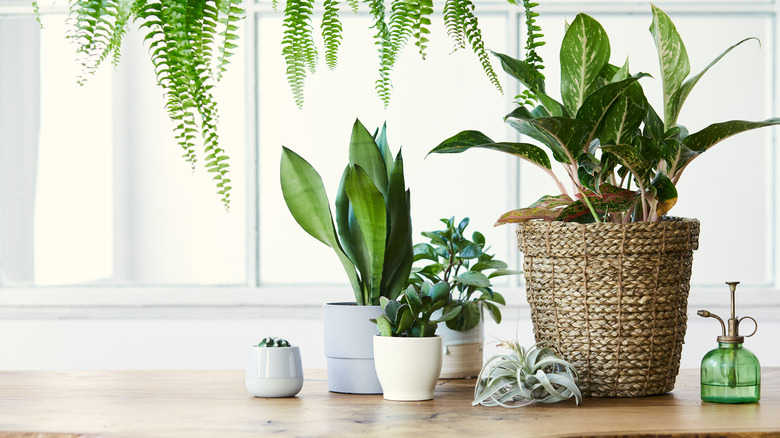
pixel 560 224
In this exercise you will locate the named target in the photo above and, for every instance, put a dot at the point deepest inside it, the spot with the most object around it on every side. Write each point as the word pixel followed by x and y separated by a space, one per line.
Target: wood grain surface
pixel 69 404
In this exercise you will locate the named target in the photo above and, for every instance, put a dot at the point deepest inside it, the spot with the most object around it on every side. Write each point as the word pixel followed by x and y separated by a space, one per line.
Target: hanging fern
pixel 532 58
pixel 97 28
pixel 463 27
pixel 331 32
pixel 421 10
pixel 298 47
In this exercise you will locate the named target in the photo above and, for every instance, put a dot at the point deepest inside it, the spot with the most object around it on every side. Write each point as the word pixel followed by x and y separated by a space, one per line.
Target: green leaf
pixel 665 192
pixel 494 311
pixel 391 310
pixel 611 198
pixel 364 152
pixel 414 299
pixel 715 133
pixel 502 272
pixel 440 291
pixel 489 264
pixel 473 278
pixel 598 104
pixel 632 159
pixel 673 59
pixel 494 296
pixel 424 251
pixel 564 136
pixel 584 52
pixel 523 72
pixel 406 320
pixel 305 196
pixel 472 251
pixel 369 207
pixel 384 326
pixel 466 140
pixel 678 97
pixel 399 254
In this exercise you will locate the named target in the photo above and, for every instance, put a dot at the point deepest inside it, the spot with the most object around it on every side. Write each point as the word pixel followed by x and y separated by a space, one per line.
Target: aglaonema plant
pixel 465 267
pixel 372 236
pixel 621 157
pixel 412 314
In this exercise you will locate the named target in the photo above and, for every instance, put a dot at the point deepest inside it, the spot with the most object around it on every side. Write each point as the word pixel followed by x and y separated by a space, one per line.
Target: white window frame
pixel 186 301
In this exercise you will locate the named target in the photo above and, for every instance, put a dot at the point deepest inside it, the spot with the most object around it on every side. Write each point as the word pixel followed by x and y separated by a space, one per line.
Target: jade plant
pixel 465 267
pixel 522 377
pixel 412 314
pixel 372 236
pixel 621 157
pixel 273 342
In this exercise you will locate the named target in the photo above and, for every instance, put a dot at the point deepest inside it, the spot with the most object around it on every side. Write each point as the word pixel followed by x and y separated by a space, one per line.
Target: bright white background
pixel 119 256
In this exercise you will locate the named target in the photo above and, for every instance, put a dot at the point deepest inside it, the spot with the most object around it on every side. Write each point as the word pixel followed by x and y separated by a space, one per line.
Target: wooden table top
pixel 64 404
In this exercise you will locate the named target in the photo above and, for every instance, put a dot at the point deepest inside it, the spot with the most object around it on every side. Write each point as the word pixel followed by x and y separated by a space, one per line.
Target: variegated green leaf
pixel 564 136
pixel 584 52
pixel 665 193
pixel 597 106
pixel 717 132
pixel 523 72
pixel 678 98
pixel 630 157
pixel 611 198
pixel 673 59
pixel 466 140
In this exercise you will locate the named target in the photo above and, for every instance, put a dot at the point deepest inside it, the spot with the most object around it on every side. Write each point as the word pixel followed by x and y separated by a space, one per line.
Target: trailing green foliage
pixel 372 236
pixel 273 342
pixel 622 159
pixel 465 267
pixel 394 22
pixel 183 37
pixel 411 315
pixel 525 376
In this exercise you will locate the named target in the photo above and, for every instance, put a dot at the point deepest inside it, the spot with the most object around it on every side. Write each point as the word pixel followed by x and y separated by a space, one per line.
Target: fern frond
pixel 460 16
pixel 97 28
pixel 231 14
pixel 422 11
pixel 331 32
pixel 298 48
pixel 382 40
pixel 354 5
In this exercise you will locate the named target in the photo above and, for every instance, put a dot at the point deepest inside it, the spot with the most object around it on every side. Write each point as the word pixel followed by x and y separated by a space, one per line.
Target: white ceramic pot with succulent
pixel 372 238
pixel 407 352
pixel 467 268
pixel 274 369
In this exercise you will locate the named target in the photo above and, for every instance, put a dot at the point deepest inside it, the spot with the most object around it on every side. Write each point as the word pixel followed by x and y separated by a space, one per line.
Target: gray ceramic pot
pixel 349 348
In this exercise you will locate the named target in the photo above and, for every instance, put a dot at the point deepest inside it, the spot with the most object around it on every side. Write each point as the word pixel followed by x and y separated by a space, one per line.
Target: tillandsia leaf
pixel 307 200
pixel 371 213
pixel 466 140
pixel 524 72
pixel 665 193
pixel 564 136
pixel 678 97
pixel 584 52
pixel 672 57
pixel 547 207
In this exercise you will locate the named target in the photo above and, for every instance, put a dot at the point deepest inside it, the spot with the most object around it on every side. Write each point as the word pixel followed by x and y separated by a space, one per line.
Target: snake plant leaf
pixel 363 151
pixel 473 278
pixel 524 72
pixel 466 140
pixel 584 52
pixel 630 157
pixel 547 207
pixel 369 208
pixel 384 147
pixel 678 98
pixel 673 59
pixel 352 241
pixel 305 196
pixel 564 136
pixel 399 253
pixel 665 193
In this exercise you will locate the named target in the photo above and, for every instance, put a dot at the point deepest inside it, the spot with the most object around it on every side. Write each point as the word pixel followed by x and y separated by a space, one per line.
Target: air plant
pixel 524 377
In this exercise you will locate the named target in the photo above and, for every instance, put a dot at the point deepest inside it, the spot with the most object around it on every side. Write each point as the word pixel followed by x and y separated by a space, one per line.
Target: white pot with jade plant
pixel 372 238
pixel 274 369
pixel 467 268
pixel 407 352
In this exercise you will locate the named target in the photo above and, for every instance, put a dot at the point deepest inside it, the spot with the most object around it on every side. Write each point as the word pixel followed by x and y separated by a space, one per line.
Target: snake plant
pixel 525 376
pixel 373 233
pixel 621 157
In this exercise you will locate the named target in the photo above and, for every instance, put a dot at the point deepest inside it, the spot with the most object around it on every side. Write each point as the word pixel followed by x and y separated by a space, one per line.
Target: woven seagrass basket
pixel 613 298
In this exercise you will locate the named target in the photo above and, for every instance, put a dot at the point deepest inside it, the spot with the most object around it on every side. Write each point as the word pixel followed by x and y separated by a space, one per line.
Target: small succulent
pixel 273 342
pixel 411 315
pixel 524 377
pixel 466 266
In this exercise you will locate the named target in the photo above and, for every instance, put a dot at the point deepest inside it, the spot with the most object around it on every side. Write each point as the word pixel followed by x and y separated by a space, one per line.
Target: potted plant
pixel 607 271
pixel 372 237
pixel 273 369
pixel 407 352
pixel 467 269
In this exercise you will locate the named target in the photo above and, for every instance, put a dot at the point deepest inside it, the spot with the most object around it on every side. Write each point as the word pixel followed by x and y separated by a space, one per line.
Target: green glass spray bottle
pixel 730 373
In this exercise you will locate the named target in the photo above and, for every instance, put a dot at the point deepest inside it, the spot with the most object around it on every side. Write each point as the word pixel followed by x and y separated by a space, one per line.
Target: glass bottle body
pixel 730 374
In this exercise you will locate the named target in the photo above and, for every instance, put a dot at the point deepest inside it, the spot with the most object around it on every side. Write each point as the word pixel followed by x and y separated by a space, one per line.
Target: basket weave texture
pixel 613 298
